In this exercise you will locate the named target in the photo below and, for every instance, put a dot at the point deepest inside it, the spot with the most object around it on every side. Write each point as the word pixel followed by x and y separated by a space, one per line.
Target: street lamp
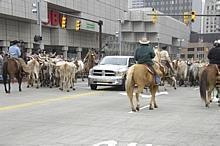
pixel 119 36
pixel 37 9
pixel 180 47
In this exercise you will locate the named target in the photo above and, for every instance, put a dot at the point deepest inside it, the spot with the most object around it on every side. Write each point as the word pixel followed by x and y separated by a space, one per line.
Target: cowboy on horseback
pixel 210 76
pixel 144 55
pixel 165 59
pixel 214 53
pixel 15 52
pixel 213 56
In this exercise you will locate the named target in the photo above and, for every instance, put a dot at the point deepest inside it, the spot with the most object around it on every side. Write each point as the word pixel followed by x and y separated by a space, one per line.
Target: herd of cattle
pixel 188 73
pixel 49 72
pixel 55 72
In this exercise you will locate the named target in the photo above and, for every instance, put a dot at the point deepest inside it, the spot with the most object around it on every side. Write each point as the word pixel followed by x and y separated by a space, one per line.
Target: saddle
pixel 150 69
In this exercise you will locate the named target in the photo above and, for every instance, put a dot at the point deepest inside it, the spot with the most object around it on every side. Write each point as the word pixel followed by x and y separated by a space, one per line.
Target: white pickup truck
pixel 111 71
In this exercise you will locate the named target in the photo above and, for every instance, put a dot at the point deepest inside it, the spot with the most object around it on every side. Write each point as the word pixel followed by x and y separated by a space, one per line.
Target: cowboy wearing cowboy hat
pixel 165 58
pixel 144 55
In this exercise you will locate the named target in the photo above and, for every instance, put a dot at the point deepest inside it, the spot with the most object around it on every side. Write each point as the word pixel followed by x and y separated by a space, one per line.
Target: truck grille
pixel 103 73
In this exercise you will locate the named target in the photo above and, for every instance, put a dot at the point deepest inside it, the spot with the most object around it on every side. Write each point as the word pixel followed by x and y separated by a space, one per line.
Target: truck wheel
pixel 93 87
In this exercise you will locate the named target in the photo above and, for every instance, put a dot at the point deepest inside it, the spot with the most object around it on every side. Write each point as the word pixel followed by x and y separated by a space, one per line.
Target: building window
pixel 182 56
pixel 190 49
pixel 200 49
pixel 190 56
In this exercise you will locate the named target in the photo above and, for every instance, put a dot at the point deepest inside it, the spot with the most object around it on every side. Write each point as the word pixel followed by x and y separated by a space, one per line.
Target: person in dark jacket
pixel 144 55
pixel 214 53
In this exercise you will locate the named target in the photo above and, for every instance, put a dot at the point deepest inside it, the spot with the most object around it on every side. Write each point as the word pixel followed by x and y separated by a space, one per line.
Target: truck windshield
pixel 114 61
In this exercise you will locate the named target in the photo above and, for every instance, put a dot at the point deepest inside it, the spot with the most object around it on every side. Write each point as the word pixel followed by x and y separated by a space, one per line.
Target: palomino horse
pixel 208 81
pixel 165 70
pixel 89 61
pixel 139 76
pixel 11 69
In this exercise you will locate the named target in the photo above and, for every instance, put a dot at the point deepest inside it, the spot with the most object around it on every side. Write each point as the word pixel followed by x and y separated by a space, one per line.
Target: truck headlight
pixel 120 73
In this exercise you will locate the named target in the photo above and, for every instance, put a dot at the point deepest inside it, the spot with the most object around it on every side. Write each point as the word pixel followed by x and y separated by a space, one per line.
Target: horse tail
pixel 129 82
pixel 203 84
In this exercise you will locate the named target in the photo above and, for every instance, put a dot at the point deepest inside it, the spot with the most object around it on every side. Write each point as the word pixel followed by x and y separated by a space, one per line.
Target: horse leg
pixel 131 96
pixel 5 82
pixel 151 100
pixel 82 74
pixel 153 90
pixel 140 90
pixel 19 79
pixel 137 99
pixel 9 84
pixel 207 103
pixel 174 82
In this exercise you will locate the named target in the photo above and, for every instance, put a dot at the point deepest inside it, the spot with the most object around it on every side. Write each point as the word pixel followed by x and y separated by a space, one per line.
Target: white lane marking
pixel 109 143
pixel 147 96
pixel 132 144
pixel 114 143
pixel 147 106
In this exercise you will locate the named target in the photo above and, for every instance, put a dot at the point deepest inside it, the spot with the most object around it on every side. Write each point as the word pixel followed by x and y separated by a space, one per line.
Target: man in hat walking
pixel 144 55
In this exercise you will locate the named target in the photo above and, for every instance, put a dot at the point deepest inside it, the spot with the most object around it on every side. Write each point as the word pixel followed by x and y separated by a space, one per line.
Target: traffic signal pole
pixel 100 37
pixel 40 23
pixel 100 24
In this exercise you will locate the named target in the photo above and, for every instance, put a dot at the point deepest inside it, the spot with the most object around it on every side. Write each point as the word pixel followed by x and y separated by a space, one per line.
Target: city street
pixel 87 117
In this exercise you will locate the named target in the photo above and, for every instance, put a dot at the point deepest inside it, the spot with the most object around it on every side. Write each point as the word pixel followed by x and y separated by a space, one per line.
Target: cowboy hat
pixel 144 41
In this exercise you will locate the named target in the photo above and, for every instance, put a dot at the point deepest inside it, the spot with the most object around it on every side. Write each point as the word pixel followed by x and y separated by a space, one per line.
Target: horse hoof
pixel 207 105
pixel 210 100
pixel 19 90
pixel 138 109
pixel 218 101
pixel 74 88
pixel 67 90
pixel 150 108
pixel 37 87
pixel 50 86
pixel 155 106
pixel 133 110
pixel 61 89
pixel 28 86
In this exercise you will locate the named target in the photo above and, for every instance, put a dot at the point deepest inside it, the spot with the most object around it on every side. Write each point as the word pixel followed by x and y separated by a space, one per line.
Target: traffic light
pixel 154 16
pixel 63 22
pixel 193 16
pixel 77 25
pixel 186 18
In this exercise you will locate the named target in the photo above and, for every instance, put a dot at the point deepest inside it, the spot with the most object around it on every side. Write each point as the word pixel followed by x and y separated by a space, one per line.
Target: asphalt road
pixel 49 117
